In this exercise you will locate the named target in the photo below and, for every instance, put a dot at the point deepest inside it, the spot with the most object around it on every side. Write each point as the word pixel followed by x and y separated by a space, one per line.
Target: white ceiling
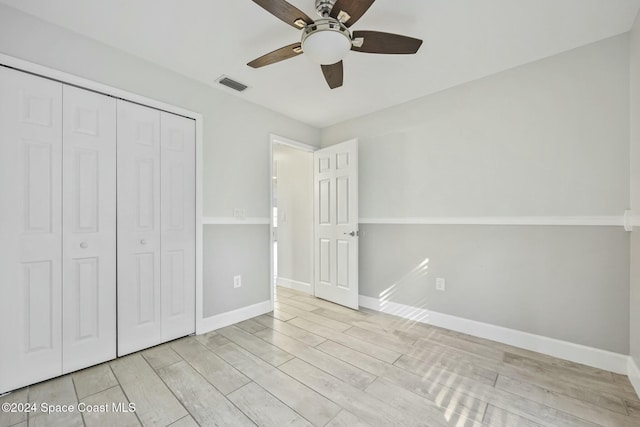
pixel 463 40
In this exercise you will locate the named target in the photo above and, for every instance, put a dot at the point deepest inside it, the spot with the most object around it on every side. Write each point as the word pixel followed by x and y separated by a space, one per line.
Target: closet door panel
pixel 139 275
pixel 30 228
pixel 178 226
pixel 89 228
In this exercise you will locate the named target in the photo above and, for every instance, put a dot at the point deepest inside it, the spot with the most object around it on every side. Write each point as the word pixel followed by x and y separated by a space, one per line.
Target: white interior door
pixel 89 229
pixel 336 223
pixel 30 229
pixel 139 322
pixel 178 195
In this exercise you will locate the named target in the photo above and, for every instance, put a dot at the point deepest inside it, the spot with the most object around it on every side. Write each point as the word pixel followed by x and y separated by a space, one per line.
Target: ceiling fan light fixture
pixel 326 41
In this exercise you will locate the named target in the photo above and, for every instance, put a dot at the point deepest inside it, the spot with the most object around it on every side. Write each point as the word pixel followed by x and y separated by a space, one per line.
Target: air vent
pixel 230 83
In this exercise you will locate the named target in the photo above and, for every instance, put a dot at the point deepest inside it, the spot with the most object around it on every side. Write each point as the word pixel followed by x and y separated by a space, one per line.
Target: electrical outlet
pixel 440 284
pixel 237 281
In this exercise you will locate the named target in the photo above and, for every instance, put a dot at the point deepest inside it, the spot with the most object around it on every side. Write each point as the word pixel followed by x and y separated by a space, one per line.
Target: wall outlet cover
pixel 237 281
pixel 440 284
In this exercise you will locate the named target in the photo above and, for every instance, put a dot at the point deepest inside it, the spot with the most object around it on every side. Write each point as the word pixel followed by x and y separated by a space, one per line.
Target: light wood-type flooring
pixel 311 362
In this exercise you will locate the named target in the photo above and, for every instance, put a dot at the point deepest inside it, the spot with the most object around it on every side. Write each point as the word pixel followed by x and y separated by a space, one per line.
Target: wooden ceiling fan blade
pixel 354 8
pixel 285 11
pixel 277 55
pixel 379 42
pixel 333 74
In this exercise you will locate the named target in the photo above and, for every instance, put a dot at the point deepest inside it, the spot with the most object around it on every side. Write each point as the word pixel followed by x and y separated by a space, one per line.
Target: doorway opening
pixel 291 215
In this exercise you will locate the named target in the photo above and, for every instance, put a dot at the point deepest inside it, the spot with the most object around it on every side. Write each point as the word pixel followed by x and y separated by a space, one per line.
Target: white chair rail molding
pixel 627 220
pixel 631 219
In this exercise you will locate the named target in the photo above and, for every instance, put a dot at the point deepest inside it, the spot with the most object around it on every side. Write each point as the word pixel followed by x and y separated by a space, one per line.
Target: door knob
pixel 84 245
pixel 352 234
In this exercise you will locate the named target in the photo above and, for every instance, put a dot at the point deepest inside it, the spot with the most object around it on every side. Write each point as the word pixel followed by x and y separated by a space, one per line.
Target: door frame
pixel 63 77
pixel 273 141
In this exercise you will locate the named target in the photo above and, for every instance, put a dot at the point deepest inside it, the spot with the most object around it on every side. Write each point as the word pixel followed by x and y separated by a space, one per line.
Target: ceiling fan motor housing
pixel 326 41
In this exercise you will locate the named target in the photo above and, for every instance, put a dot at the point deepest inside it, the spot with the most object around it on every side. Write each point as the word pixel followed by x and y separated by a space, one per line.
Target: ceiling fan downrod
pixel 323 7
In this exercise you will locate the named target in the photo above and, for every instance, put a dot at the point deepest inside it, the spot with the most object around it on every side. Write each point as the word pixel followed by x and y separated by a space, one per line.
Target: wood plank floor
pixel 311 362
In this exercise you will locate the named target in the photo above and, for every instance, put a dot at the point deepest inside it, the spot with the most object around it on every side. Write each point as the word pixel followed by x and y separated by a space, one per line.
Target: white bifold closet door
pixel 89 229
pixel 156 227
pixel 30 229
pixel 138 227
pixel 178 227
pixel 57 229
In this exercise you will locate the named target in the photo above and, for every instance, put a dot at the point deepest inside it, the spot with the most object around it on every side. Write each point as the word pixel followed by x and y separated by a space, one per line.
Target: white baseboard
pixel 578 353
pixel 294 284
pixel 633 371
pixel 231 317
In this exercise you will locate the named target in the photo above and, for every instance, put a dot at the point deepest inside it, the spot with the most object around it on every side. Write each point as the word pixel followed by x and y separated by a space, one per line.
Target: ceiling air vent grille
pixel 230 83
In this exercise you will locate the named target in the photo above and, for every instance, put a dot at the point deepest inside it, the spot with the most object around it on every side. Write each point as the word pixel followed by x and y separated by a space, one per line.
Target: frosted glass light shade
pixel 326 47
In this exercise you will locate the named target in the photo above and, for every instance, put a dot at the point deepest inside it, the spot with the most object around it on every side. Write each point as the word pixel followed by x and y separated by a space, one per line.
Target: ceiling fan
pixel 327 40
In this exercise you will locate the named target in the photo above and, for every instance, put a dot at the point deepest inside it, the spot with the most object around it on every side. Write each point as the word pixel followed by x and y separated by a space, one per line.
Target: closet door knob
pixel 84 245
pixel 143 241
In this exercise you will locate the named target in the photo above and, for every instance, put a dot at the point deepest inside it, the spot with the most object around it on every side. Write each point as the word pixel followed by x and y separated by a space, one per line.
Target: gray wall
pixel 295 212
pixel 550 138
pixel 635 190
pixel 236 246
pixel 232 177
pixel 560 282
